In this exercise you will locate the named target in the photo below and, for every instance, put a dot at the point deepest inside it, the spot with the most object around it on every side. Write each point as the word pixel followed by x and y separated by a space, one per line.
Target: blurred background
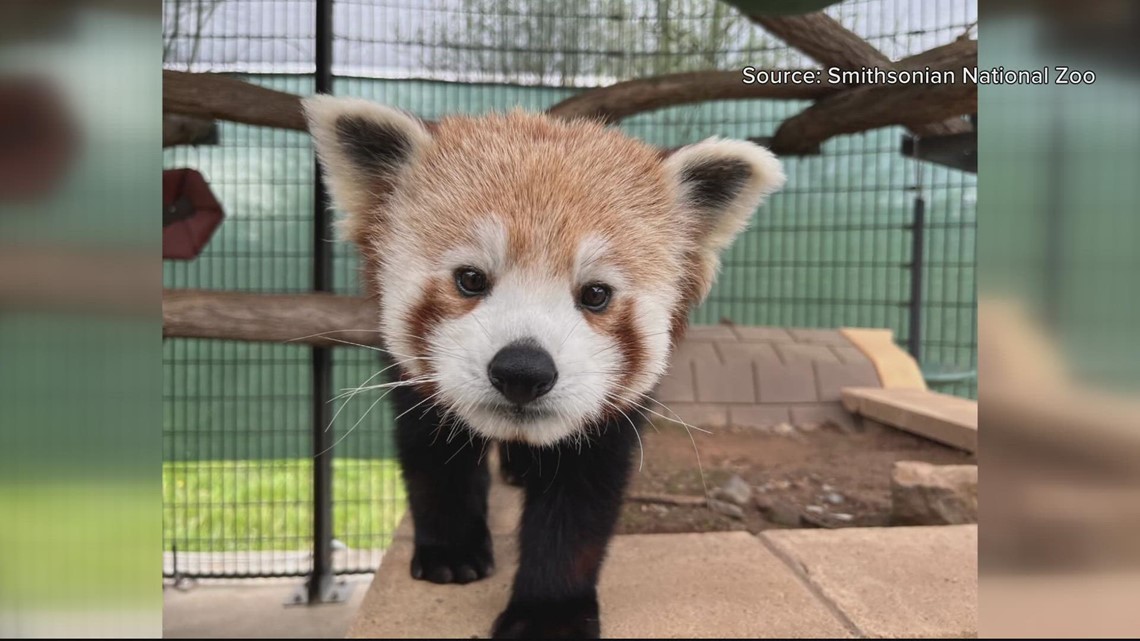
pixel 1059 367
pixel 80 318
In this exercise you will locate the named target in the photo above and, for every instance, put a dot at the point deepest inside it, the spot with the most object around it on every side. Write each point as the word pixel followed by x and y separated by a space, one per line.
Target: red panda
pixel 532 276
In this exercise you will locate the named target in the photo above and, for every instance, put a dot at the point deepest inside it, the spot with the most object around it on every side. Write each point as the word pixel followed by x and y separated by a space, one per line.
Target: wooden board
pixel 938 417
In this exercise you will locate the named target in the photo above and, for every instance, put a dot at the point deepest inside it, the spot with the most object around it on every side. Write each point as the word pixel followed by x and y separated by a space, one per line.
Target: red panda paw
pixel 454 564
pixel 568 619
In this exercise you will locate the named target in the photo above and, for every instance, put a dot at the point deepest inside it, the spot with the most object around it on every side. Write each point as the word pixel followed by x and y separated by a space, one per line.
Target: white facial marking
pixel 525 303
pixel 533 307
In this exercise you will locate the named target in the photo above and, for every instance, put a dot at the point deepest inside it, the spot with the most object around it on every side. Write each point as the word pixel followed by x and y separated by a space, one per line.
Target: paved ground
pixel 873 582
pixel 255 609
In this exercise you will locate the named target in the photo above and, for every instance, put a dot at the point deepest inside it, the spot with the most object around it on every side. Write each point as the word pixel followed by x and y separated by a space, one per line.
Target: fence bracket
pixel 329 590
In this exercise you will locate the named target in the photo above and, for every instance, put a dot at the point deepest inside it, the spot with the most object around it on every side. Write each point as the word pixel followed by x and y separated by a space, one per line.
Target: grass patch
pixel 77 542
pixel 230 506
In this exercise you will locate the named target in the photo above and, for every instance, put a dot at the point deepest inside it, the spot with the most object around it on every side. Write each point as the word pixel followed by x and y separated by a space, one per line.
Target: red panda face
pixel 532 274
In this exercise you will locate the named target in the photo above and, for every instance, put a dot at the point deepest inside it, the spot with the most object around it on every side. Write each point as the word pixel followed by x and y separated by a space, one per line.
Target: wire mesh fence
pixel 833 249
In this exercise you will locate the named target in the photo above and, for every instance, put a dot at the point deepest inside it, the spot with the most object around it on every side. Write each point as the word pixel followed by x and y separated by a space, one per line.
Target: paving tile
pixel 850 355
pixel 769 334
pixel 743 351
pixel 790 383
pixel 792 353
pixel 699 414
pixel 823 414
pixel 695 351
pixel 677 384
pixel 892 582
pixel 758 416
pixel 397 606
pixel 710 333
pixel 833 377
pixel 711 585
pixel 725 383
pixel 724 584
pixel 819 337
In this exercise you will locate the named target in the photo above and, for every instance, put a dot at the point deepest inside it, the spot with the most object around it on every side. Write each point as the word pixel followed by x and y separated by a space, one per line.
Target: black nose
pixel 522 372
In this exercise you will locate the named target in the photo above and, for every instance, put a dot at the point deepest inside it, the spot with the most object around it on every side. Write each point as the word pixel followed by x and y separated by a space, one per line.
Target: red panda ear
pixel 363 147
pixel 720 184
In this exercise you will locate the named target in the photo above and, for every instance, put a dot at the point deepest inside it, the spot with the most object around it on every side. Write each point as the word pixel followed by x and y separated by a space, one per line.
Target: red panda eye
pixel 595 297
pixel 470 281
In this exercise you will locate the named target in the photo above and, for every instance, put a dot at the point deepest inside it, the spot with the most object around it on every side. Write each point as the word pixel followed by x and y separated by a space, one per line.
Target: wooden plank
pixel 895 367
pixel 308 318
pixel 938 417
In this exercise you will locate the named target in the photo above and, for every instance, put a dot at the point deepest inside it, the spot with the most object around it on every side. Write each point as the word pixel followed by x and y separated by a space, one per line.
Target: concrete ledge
pixel 724 584
pixel 892 582
pixel 939 417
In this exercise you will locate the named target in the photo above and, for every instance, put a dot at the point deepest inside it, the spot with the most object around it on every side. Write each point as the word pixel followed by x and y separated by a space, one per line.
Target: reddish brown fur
pixel 550 183
pixel 440 302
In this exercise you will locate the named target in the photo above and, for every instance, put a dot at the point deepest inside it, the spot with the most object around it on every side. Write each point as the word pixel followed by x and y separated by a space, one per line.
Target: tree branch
pixel 311 318
pixel 873 106
pixel 823 39
pixel 214 96
pixel 619 101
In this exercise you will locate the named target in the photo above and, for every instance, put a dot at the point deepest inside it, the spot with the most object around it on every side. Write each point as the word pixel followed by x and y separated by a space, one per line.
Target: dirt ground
pixel 827 477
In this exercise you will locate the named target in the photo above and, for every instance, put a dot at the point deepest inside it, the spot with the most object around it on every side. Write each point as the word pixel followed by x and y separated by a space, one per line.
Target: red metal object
pixel 39 139
pixel 190 214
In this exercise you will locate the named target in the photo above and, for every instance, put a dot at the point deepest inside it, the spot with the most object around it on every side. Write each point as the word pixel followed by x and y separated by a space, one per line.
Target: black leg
pixel 447 486
pixel 573 500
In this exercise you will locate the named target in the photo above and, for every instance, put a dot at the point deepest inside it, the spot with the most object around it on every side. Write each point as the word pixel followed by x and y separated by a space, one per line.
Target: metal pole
pixel 914 343
pixel 321 579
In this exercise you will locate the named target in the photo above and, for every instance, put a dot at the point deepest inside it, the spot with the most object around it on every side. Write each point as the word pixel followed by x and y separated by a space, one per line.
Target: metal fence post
pixel 320 585
pixel 918 231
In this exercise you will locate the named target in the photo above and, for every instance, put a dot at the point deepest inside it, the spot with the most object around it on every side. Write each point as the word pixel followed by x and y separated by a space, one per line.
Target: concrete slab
pixel 819 337
pixel 725 382
pixel 759 416
pixel 254 609
pixel 833 377
pixel 791 353
pixel 770 334
pixel 677 384
pixel 711 585
pixel 710 333
pixel 892 582
pixel 790 383
pixel 723 584
pixel 698 414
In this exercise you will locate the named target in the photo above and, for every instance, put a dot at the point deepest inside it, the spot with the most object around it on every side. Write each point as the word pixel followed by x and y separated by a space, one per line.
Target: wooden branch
pixel 613 103
pixel 871 107
pixel 311 318
pixel 213 96
pixel 78 279
pixel 187 130
pixel 823 39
